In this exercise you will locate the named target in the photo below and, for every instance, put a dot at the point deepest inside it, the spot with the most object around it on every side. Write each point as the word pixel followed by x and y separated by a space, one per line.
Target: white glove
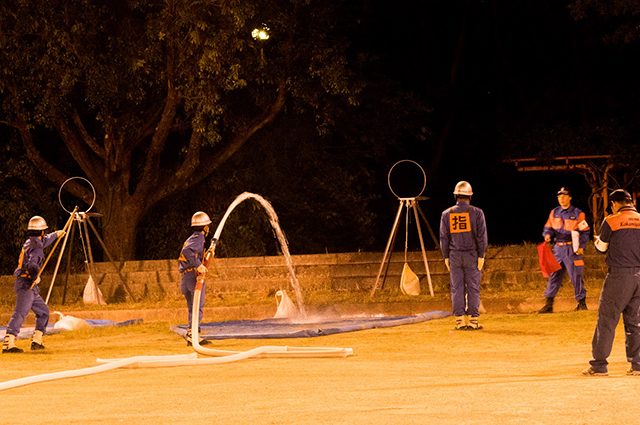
pixel 35 282
pixel 446 263
pixel 202 269
pixel 60 233
pixel 480 263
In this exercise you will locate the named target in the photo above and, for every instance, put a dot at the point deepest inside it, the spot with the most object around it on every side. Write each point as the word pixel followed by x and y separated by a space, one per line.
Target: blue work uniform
pixel 560 225
pixel 620 238
pixel 190 259
pixel 27 298
pixel 463 239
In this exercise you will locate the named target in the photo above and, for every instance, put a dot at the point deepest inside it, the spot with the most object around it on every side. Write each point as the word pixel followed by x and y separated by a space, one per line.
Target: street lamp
pixel 260 33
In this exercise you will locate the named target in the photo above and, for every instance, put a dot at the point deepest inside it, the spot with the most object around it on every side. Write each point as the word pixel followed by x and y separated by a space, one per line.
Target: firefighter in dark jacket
pixel 190 266
pixel 463 242
pixel 26 286
pixel 620 239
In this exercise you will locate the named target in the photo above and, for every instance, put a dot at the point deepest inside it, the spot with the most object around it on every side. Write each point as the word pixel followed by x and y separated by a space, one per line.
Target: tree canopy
pixel 172 106
pixel 149 98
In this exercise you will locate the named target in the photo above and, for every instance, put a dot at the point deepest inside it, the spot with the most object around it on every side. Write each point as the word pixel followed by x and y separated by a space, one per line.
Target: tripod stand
pixel 83 222
pixel 408 203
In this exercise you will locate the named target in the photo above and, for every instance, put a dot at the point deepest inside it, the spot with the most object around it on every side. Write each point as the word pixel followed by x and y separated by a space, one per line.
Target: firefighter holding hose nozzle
pixel 191 267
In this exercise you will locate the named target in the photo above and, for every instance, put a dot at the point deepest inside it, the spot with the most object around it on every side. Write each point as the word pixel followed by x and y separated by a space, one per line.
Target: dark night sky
pixel 521 65
pixel 498 72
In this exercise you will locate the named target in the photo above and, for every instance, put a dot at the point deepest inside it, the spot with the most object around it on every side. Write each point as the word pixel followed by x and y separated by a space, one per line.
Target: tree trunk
pixel 120 225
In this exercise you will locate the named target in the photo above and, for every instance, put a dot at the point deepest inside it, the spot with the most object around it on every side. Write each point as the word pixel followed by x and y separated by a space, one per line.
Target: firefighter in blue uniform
pixel 27 275
pixel 463 241
pixel 190 266
pixel 567 227
pixel 620 239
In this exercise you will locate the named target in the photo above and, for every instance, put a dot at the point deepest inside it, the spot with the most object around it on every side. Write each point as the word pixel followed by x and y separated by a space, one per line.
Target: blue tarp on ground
pixel 286 328
pixel 26 333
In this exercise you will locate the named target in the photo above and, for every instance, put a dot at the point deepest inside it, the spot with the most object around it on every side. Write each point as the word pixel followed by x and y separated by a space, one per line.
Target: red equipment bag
pixel 548 262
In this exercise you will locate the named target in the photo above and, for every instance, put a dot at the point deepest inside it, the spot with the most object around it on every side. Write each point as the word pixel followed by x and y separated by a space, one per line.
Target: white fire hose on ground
pixel 269 352
pixel 192 359
pixel 218 356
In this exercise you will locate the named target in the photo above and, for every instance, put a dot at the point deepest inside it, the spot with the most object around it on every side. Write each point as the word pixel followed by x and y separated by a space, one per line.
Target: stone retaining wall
pixel 507 268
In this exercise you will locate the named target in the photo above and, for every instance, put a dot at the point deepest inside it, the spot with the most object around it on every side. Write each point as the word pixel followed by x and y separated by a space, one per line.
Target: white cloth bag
pixel 92 294
pixel 286 307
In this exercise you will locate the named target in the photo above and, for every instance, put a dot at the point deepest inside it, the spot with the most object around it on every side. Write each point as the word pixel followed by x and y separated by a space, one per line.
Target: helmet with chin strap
pixel 463 188
pixel 200 219
pixel 37 223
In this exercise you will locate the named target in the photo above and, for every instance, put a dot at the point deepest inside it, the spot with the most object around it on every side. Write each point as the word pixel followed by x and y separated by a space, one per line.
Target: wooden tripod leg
pixel 386 268
pixel 65 228
pixel 66 279
pixel 433 236
pixel 424 253
pixel 89 252
pixel 387 249
pixel 124 282
pixel 55 271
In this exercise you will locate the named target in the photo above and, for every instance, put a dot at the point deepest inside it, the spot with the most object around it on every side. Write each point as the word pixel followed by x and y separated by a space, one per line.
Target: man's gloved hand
pixel 60 233
pixel 446 263
pixel 202 269
pixel 35 282
pixel 480 263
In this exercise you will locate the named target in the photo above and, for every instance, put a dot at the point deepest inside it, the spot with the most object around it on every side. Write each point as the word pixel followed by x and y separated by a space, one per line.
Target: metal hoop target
pixel 67 181
pixel 424 177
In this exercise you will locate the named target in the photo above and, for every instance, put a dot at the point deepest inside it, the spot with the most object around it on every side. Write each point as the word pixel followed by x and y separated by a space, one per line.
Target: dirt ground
pixel 520 369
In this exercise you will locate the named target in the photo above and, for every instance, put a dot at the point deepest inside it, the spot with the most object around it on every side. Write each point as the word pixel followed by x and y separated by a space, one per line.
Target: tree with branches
pixel 147 98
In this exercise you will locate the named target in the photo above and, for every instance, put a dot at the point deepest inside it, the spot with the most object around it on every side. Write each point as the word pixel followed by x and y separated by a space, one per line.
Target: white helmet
pixel 37 223
pixel 200 219
pixel 463 188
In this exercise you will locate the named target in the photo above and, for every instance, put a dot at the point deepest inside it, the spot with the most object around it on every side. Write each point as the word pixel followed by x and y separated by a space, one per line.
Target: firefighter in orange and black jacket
pixel 567 227
pixel 620 239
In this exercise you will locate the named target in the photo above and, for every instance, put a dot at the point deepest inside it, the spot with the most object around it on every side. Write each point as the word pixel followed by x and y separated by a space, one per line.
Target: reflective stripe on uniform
pixel 601 246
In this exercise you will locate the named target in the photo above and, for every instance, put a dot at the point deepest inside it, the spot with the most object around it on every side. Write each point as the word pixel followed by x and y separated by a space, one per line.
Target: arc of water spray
pixel 275 224
pixel 221 356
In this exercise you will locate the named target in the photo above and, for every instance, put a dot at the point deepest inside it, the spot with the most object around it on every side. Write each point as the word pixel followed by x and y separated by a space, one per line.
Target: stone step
pixel 506 268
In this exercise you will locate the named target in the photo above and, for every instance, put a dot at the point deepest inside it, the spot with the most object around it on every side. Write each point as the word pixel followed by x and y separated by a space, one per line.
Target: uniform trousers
pixel 28 299
pixel 620 294
pixel 567 259
pixel 188 288
pixel 465 283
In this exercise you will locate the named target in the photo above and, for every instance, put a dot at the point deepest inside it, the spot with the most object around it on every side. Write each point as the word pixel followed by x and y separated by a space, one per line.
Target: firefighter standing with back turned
pixel 463 241
pixel 620 239
pixel 567 227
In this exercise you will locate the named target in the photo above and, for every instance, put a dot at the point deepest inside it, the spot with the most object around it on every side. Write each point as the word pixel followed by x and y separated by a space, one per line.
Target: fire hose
pixel 216 356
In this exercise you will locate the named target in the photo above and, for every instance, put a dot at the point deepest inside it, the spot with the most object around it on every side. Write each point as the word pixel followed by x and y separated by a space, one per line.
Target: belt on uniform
pixel 188 270
pixel 563 243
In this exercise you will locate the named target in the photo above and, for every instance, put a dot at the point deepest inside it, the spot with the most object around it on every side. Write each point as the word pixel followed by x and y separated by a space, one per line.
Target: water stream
pixel 284 245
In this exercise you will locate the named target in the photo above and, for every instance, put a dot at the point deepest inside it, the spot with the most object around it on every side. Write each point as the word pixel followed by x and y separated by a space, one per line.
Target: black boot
pixel 189 338
pixel 582 305
pixel 548 307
